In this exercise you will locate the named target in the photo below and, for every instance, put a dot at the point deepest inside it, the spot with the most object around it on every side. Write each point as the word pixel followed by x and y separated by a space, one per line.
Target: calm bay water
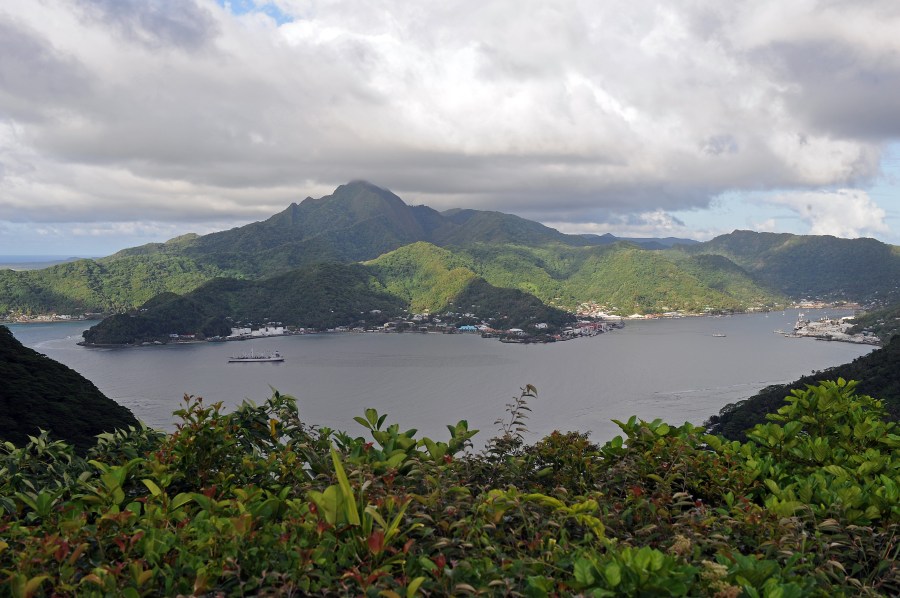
pixel 669 369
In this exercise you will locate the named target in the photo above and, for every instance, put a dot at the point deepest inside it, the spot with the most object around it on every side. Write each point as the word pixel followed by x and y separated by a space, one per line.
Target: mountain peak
pixel 362 184
pixel 359 187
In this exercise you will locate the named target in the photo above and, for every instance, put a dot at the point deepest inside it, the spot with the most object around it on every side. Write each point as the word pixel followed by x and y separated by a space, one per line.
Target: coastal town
pixel 830 329
pixel 426 323
pixel 591 320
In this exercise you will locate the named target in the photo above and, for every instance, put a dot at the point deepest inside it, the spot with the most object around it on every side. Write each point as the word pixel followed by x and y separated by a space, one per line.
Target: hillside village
pixel 445 323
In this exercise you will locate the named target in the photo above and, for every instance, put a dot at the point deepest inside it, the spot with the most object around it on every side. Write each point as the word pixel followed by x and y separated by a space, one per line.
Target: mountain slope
pixel 319 296
pixel 812 266
pixel 621 276
pixel 878 374
pixel 464 227
pixel 39 393
pixel 361 221
pixel 434 279
pixel 358 222
pixel 101 285
pixel 426 277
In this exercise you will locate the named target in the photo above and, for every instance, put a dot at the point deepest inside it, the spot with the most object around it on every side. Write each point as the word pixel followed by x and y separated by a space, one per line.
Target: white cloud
pixel 566 112
pixel 649 224
pixel 769 225
pixel 848 213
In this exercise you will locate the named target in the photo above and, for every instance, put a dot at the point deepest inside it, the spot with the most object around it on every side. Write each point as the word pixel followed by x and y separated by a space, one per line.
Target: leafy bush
pixel 258 502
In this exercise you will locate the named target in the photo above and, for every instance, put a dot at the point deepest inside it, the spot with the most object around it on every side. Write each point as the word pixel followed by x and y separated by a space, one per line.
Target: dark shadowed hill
pixel 878 374
pixel 39 393
pixel 320 296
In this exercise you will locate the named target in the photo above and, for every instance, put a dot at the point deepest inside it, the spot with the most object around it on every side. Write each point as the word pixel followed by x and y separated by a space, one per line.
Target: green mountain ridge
pixel 360 222
pixel 622 276
pixel 812 266
pixel 101 285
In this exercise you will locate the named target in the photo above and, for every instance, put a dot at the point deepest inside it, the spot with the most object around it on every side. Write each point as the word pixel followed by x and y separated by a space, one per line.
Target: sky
pixel 129 121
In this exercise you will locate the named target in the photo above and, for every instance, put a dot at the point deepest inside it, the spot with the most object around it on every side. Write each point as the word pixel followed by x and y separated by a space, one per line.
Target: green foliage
pixel 255 502
pixel 833 456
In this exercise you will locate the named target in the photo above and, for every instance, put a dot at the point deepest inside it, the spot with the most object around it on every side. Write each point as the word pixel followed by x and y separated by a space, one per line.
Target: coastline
pixel 588 325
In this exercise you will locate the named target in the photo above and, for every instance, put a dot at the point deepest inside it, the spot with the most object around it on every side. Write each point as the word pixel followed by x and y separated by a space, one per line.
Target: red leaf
pixel 376 542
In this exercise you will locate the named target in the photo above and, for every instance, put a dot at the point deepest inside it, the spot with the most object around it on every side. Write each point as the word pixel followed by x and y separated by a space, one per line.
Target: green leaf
pixel 346 490
pixel 584 573
pixel 613 574
pixel 414 586
pixel 152 487
pixel 180 500
pixel 32 585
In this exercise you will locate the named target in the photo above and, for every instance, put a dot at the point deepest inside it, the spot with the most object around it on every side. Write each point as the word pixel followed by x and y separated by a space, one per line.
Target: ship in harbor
pixel 253 357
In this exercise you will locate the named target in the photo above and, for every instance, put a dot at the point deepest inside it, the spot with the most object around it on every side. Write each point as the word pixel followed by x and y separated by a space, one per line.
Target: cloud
pixel 769 225
pixel 565 112
pixel 37 81
pixel 156 24
pixel 649 224
pixel 848 213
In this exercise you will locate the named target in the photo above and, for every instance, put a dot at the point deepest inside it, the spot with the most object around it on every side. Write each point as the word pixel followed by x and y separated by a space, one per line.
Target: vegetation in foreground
pixel 257 502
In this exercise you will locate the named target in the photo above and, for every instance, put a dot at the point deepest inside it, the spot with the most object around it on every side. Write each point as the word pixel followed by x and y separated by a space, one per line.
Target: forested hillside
pixel 321 296
pixel 622 276
pixel 360 221
pixel 878 373
pixel 629 278
pixel 426 277
pixel 812 266
pixel 884 323
pixel 104 285
pixel 37 393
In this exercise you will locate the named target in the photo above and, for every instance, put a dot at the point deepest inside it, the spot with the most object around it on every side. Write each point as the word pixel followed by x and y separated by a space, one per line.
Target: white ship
pixel 252 357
